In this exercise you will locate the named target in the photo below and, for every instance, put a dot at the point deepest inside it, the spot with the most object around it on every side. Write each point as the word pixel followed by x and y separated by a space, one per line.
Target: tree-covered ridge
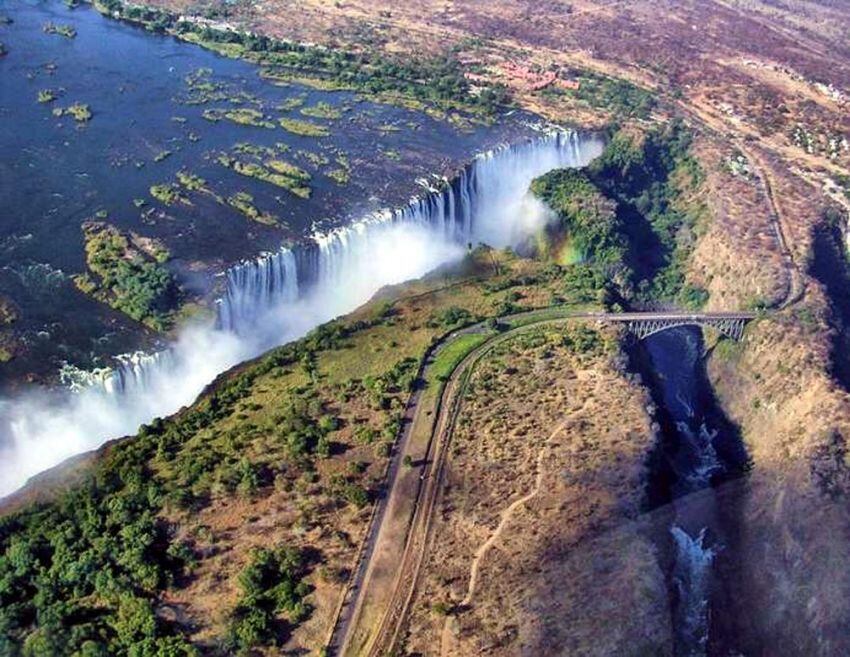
pixel 588 218
pixel 124 276
pixel 271 584
pixel 633 213
pixel 82 575
pixel 436 81
pixel 654 178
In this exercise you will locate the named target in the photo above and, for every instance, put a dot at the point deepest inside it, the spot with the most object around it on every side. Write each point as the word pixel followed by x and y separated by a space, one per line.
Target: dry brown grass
pixel 738 258
pixel 571 535
pixel 300 511
pixel 746 68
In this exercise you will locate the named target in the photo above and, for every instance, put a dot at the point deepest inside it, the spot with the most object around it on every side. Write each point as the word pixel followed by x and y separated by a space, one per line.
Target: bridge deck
pixel 644 324
pixel 673 316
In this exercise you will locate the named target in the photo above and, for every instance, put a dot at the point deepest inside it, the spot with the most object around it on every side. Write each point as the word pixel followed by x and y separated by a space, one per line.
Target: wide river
pixel 148 94
pixel 159 108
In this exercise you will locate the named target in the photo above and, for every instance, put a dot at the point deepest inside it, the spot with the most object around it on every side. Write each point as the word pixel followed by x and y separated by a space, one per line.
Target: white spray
pixel 279 297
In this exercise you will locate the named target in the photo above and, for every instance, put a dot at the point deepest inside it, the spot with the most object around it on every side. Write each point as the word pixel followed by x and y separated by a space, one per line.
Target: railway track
pixel 385 636
pixel 381 637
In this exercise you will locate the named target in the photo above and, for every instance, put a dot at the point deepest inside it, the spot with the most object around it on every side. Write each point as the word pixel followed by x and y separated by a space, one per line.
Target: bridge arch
pixel 642 325
pixel 731 328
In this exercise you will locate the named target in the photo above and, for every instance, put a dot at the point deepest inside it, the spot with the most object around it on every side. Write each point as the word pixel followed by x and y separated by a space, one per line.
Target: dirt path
pixel 504 517
pixel 796 280
pixel 376 634
pixel 384 637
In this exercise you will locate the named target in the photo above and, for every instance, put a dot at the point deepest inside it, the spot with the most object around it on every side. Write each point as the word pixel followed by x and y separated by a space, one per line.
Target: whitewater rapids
pixel 280 296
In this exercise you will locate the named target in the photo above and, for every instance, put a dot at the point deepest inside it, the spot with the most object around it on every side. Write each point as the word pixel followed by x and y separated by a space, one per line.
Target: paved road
pixel 353 595
pixel 432 467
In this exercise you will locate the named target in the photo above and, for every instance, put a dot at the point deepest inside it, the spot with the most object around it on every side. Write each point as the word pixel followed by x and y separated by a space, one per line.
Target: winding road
pixel 366 626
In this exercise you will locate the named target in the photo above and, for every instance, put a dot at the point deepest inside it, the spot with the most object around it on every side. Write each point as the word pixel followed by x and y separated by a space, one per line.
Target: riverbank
pixel 163 180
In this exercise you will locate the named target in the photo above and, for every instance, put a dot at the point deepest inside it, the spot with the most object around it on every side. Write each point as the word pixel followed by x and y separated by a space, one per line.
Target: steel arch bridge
pixel 642 325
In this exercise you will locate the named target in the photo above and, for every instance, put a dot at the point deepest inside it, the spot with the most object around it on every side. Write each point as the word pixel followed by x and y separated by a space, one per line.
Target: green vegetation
pixel 280 173
pixel 82 575
pixel 450 356
pixel 271 584
pixel 583 340
pixel 291 103
pixel 201 89
pixel 632 218
pixel 316 159
pixel 590 222
pixel 289 170
pixel 244 203
pixel 451 317
pixel 168 193
pixel 322 110
pixel 303 128
pixel 67 31
pixel 653 179
pixel 125 277
pixel 46 96
pixel 240 115
pixel 77 577
pixel 79 111
pixel 246 148
pixel 728 349
pixel 434 84
pixel 191 182
pixel 339 176
pixel 8 312
pixel 621 98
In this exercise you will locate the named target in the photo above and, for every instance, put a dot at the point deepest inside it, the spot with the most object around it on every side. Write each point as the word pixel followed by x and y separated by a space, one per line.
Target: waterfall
pixel 486 202
pixel 692 576
pixel 280 296
pixel 697 461
pixel 258 284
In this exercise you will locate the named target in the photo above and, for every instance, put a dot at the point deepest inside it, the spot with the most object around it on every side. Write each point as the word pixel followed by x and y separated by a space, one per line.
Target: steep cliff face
pixel 791 589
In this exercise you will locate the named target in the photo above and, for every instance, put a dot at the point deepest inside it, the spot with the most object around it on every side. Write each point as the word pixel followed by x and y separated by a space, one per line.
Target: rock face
pixel 539 548
pixel 789 593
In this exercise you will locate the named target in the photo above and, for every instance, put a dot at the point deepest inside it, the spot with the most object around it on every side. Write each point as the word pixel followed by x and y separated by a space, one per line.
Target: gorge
pixel 287 368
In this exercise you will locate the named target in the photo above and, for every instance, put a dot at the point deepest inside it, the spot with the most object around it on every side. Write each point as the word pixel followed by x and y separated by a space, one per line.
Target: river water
pixel 148 93
pixel 332 253
pixel 700 451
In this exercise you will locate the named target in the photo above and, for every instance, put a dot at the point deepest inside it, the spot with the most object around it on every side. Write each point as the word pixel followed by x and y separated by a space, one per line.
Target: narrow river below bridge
pixel 700 450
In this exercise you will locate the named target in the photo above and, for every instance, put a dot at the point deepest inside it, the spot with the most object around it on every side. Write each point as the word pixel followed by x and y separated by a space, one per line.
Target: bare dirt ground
pixel 538 509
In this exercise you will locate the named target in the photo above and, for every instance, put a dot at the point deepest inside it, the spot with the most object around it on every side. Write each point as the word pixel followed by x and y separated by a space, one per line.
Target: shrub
pixel 272 584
